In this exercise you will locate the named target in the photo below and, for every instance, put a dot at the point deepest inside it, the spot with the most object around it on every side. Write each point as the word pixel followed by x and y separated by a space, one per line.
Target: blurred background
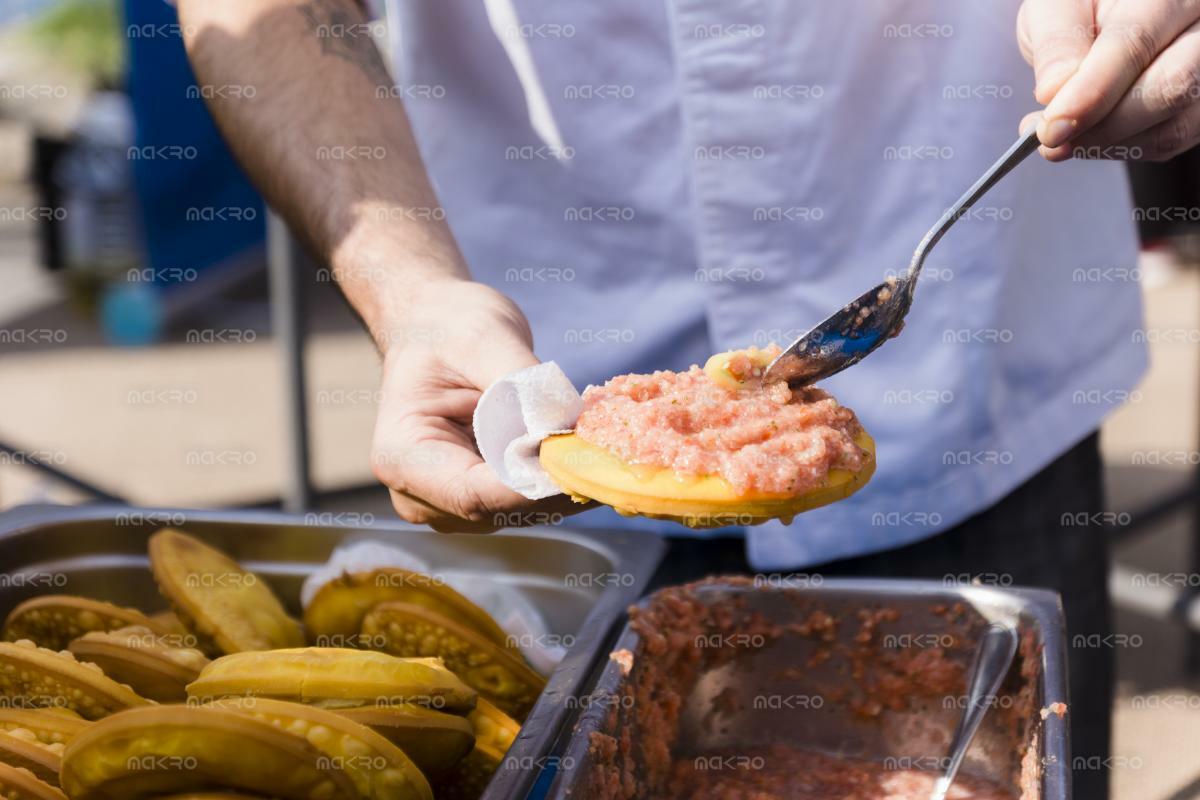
pixel 157 346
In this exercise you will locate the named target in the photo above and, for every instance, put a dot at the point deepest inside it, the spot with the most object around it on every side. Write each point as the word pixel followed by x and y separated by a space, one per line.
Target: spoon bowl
pixel 861 326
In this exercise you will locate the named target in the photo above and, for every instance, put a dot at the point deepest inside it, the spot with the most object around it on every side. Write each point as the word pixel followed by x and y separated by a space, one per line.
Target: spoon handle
pixel 1015 154
pixel 993 657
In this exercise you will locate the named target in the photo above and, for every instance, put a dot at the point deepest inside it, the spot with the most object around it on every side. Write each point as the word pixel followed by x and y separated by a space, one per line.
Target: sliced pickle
pixel 17 783
pixel 497 674
pixel 495 732
pixel 334 677
pixel 32 677
pixel 49 725
pixel 150 665
pixel 335 614
pixel 147 752
pixel 229 609
pixel 434 740
pixel 21 748
pixel 380 769
pixel 53 620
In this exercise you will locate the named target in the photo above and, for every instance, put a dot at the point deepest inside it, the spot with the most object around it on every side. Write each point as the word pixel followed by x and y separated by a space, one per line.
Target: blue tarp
pixel 197 207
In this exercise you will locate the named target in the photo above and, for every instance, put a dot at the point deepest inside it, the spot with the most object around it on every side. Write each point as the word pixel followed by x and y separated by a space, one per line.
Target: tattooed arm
pixel 302 96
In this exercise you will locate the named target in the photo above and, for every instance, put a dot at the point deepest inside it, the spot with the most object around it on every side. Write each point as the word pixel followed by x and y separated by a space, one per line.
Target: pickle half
pixel 334 677
pixel 171 749
pixel 53 620
pixel 335 614
pixel 150 665
pixel 229 609
pixel 498 674
pixel 379 769
pixel 32 677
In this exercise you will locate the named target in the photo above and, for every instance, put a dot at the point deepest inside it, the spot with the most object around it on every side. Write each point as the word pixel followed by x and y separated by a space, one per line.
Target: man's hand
pixel 321 87
pixel 452 339
pixel 1119 78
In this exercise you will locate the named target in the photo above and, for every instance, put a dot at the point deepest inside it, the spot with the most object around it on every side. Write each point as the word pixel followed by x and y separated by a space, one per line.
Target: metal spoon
pixel 993 657
pixel 851 334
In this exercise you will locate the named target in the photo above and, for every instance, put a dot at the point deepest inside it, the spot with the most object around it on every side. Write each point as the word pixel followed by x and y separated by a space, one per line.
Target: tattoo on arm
pixel 345 35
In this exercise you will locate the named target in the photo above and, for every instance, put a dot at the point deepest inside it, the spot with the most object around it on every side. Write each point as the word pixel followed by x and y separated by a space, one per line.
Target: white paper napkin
pixel 514 414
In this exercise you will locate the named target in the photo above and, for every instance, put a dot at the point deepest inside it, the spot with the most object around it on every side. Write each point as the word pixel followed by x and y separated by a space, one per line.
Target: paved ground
pixel 1158 709
pixel 200 425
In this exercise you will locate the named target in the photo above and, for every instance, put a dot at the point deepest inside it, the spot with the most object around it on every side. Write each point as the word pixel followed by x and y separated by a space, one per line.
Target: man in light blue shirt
pixel 636 184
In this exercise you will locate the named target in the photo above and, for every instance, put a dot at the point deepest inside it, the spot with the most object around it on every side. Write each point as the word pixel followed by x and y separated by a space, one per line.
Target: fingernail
pixel 1054 155
pixel 1056 132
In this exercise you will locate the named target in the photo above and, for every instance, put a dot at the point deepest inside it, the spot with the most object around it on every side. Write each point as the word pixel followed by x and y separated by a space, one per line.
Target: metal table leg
pixel 287 324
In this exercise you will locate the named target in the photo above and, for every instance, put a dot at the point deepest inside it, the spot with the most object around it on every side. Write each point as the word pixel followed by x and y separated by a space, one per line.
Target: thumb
pixel 1055 36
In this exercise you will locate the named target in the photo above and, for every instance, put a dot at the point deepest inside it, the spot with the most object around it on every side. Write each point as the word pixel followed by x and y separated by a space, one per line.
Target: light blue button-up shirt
pixel 656 181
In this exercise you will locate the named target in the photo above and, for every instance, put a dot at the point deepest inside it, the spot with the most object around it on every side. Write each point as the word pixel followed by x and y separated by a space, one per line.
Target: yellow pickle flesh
pixel 497 674
pixel 493 727
pixel 48 725
pixel 32 677
pixel 53 620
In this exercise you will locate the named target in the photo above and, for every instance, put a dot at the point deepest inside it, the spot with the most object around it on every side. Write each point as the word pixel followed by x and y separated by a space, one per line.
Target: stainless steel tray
pixel 720 709
pixel 581 581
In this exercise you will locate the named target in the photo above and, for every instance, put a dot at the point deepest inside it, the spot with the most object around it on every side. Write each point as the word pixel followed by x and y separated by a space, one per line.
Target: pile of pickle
pixel 395 686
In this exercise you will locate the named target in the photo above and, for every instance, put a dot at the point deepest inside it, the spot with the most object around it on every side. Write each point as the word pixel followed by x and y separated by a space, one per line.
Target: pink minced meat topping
pixel 768 440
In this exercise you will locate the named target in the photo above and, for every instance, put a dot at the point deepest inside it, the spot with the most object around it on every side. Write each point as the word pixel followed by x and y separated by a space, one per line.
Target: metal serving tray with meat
pixel 732 683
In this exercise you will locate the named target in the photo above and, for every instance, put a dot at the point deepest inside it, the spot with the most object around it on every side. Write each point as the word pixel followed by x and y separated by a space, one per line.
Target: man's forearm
pixel 303 98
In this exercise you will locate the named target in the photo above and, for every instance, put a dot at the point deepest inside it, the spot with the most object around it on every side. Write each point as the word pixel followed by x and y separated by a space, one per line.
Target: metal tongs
pixel 993 657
